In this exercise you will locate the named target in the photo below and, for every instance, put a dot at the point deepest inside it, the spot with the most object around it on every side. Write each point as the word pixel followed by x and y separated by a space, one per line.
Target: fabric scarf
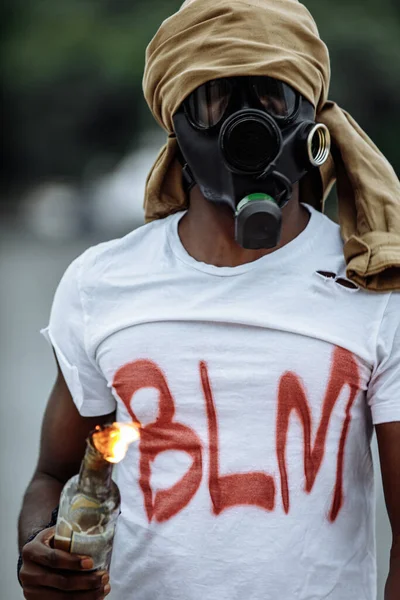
pixel 209 39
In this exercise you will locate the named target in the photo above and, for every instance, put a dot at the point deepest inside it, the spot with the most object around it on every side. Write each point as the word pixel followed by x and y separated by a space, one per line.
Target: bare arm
pixel 388 435
pixel 63 441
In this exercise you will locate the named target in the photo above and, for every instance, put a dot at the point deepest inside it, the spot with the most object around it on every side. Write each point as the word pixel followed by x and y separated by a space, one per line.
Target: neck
pixel 207 231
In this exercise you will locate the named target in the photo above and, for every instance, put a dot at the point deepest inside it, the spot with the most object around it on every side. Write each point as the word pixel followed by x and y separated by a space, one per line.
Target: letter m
pixel 292 398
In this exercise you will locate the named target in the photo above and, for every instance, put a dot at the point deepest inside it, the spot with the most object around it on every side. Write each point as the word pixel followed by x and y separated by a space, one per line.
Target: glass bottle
pixel 88 511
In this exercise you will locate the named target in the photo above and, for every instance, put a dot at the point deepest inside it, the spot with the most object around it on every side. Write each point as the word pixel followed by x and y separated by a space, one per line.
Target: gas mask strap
pixel 187 178
pixel 283 197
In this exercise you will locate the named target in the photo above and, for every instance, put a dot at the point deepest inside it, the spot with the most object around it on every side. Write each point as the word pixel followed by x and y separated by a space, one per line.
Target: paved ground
pixel 29 273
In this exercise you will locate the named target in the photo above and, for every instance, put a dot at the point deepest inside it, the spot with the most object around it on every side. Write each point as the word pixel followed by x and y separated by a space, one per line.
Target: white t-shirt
pixel 257 387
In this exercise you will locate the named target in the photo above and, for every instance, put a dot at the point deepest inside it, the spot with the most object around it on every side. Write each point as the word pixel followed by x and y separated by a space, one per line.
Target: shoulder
pixel 328 262
pixel 132 243
pixel 135 252
pixel 333 245
pixel 119 260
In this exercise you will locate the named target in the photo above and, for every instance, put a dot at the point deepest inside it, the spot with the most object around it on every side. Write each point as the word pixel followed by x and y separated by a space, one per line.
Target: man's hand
pixel 50 574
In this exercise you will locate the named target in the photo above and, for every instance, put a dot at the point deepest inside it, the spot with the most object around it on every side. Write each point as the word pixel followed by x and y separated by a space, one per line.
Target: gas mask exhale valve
pixel 246 146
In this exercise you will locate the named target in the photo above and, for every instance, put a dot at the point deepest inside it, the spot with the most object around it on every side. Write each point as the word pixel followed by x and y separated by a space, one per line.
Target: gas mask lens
pixel 277 98
pixel 207 104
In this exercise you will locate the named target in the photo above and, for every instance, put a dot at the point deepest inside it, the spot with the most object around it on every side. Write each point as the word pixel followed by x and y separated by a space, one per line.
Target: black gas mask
pixel 245 141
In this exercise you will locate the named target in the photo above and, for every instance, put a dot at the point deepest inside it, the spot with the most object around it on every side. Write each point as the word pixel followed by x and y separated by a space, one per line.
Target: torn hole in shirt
pixel 326 274
pixel 347 283
pixel 342 281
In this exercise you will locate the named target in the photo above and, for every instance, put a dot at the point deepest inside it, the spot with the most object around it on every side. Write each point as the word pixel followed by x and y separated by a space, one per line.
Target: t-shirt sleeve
pixel 67 333
pixel 384 387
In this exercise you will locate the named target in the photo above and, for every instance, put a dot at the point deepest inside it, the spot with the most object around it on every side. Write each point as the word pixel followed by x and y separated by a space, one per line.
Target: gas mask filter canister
pixel 245 141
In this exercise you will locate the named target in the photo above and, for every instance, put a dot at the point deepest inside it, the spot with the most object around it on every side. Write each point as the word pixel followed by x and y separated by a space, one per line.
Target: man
pixel 230 328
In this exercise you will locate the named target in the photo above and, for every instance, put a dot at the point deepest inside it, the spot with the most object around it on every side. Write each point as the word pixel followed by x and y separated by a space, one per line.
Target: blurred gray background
pixel 78 142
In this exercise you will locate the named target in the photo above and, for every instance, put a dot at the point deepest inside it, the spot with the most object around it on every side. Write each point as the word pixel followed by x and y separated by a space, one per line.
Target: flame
pixel 113 440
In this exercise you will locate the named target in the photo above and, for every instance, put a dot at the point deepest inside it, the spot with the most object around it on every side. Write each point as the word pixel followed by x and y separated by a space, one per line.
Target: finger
pixel 44 593
pixel 48 540
pixel 33 575
pixel 39 551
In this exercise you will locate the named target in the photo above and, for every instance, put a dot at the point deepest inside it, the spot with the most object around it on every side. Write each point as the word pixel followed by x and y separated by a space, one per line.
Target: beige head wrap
pixel 209 39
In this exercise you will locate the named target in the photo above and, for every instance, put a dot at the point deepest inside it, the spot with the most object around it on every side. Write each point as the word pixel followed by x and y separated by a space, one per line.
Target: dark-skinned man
pixel 256 341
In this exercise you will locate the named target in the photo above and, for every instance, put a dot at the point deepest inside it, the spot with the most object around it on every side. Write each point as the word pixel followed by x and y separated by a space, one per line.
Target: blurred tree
pixel 72 69
pixel 72 83
pixel 364 44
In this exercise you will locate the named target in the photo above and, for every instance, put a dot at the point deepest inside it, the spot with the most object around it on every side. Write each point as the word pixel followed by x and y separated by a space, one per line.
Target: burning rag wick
pixel 113 440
